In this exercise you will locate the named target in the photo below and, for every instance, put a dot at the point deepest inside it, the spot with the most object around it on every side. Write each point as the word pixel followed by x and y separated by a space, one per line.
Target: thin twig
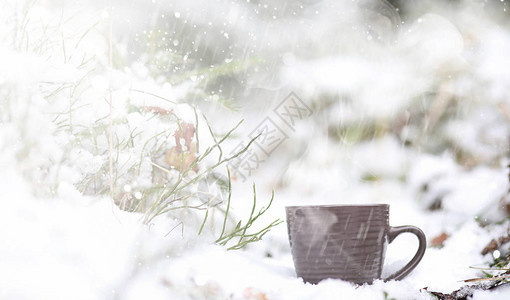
pixel 486 279
pixel 154 95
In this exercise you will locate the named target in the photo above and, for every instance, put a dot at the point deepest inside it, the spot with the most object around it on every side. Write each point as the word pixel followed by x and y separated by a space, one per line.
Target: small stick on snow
pixel 486 279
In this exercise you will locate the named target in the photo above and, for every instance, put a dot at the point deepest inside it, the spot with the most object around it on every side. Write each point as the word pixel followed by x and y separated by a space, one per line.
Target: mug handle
pixel 393 232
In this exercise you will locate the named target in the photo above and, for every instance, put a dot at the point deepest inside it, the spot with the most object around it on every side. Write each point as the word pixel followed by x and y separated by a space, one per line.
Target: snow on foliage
pixel 114 137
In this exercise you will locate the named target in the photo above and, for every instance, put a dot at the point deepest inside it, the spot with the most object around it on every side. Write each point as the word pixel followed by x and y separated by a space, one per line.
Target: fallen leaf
pixel 438 241
pixel 179 160
pixel 185 131
pixel 254 294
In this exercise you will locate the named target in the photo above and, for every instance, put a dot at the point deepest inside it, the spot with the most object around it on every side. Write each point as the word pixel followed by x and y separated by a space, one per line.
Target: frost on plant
pixel 100 126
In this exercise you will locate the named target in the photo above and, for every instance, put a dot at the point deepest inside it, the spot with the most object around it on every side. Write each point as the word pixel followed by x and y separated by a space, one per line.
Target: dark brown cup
pixel 345 242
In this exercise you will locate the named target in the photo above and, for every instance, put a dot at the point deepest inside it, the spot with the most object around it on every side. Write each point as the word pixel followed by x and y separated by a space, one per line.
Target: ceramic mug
pixel 345 242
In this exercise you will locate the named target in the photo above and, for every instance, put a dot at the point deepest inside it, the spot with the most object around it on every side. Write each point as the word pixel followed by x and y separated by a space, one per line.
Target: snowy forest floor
pixel 125 167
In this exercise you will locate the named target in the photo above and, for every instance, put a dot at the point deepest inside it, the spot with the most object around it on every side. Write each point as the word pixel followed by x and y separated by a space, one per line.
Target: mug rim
pixel 338 205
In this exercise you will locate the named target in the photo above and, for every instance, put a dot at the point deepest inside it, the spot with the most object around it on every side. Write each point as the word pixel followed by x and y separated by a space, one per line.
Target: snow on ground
pixel 443 168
